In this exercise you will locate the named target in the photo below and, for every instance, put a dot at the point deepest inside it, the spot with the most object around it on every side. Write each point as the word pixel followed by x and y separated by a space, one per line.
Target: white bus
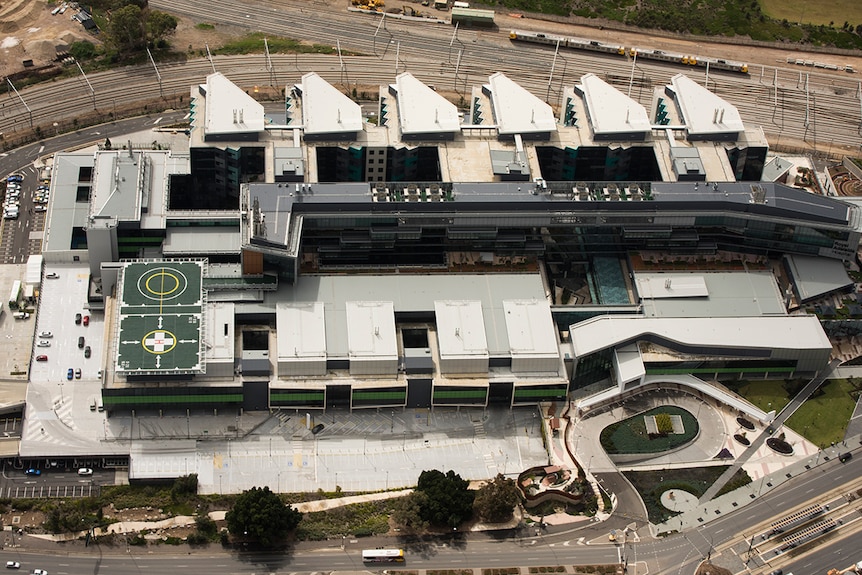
pixel 383 556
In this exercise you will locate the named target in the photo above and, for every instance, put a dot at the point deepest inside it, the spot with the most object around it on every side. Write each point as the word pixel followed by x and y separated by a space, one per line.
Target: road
pixel 820 109
pixel 584 544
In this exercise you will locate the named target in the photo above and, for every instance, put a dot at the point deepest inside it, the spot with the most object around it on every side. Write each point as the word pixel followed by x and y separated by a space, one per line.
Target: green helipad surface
pixel 160 318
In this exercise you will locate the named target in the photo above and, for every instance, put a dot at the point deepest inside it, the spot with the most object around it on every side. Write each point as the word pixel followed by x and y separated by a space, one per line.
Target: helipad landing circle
pixel 162 283
pixel 159 341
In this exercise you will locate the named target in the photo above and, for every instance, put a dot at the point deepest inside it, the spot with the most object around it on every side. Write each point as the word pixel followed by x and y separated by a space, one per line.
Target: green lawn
pixel 824 418
pixel 767 395
pixel 814 11
pixel 696 480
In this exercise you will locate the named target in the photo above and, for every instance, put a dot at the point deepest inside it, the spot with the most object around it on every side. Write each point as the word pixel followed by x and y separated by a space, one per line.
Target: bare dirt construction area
pixel 28 31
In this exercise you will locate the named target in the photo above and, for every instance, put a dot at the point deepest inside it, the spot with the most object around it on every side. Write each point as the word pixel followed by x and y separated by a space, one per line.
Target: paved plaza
pixel 360 451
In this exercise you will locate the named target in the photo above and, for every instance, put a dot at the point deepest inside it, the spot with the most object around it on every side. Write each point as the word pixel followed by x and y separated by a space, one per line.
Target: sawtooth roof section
pixel 612 113
pixel 325 110
pixel 704 113
pixel 516 110
pixel 229 110
pixel 421 110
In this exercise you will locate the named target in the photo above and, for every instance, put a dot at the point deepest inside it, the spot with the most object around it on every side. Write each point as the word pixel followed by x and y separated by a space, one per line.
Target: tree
pixel 448 502
pixel 407 511
pixel 186 485
pixel 259 514
pixel 126 29
pixel 496 500
pixel 159 25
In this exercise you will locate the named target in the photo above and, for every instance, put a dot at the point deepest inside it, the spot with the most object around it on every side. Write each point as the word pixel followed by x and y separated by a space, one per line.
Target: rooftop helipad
pixel 161 306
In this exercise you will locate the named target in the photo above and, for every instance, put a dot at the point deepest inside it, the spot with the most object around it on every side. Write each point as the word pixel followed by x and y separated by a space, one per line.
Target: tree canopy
pixel 260 515
pixel 133 26
pixel 496 500
pixel 447 501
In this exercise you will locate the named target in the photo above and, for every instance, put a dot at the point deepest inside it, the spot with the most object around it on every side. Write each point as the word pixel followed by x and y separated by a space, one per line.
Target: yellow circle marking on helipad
pixel 162 291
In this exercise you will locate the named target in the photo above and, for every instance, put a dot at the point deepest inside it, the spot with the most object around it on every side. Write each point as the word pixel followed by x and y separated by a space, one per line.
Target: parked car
pixel 77 319
pixel 78 373
pixel 87 351
pixel 86 320
pixel 34 472
pixel 43 343
pixel 81 342
pixel 85 471
pixel 317 428
pixel 70 373
pixel 41 358
pixel 52 275
pixel 45 334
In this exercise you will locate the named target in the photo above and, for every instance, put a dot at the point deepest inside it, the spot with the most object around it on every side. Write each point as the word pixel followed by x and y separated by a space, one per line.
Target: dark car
pixel 70 373
pixel 81 342
pixel 317 428
pixel 41 358
pixel 77 319
pixel 87 351
pixel 35 472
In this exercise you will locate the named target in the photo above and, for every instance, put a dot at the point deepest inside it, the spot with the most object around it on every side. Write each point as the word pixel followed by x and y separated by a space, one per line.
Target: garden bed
pixel 631 436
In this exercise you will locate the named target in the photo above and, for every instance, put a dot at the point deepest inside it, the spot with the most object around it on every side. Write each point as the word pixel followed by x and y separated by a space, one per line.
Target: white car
pixel 43 343
pixel 46 334
pixel 39 572
pixel 85 470
pixel 13 565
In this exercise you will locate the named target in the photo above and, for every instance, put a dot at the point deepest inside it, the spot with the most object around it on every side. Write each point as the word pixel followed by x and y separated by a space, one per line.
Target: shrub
pixel 663 423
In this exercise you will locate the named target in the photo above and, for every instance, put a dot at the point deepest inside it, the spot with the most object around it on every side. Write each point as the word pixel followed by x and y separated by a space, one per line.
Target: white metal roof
pixel 797 332
pixel 421 110
pixel 461 329
pixel 229 110
pixel 371 329
pixel 516 110
pixel 661 286
pixel 629 363
pixel 219 330
pixel 301 330
pixel 530 328
pixel 203 240
pixel 325 110
pixel 611 111
pixel 118 180
pixel 703 112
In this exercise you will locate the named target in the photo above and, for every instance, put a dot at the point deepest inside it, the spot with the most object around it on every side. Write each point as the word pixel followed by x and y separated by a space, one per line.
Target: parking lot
pixel 62 299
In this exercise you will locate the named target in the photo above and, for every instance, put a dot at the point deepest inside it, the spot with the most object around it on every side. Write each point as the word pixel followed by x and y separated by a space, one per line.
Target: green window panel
pixel 460 394
pixel 751 369
pixel 365 395
pixel 540 391
pixel 171 399
pixel 306 396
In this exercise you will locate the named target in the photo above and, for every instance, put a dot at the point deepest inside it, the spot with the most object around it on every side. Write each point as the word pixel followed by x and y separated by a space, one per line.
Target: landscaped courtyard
pixel 653 431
